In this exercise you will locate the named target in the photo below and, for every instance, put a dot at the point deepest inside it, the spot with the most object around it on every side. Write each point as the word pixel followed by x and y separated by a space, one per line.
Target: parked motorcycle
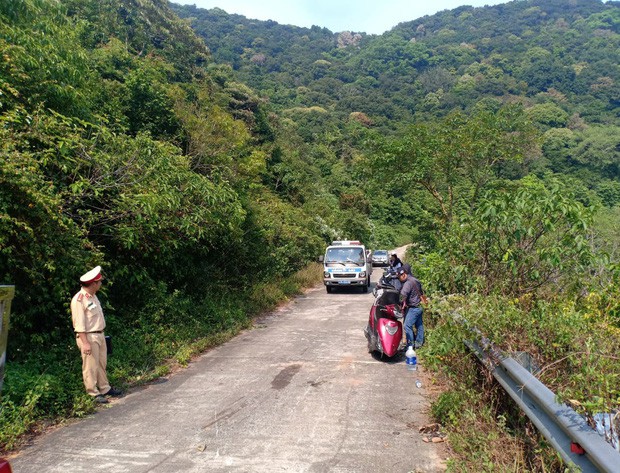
pixel 384 331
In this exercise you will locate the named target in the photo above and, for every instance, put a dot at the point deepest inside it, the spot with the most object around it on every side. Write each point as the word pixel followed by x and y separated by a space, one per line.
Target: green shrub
pixel 572 343
pixel 448 407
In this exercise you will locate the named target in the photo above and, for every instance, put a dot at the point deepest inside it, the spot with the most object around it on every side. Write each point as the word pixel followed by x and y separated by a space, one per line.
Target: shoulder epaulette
pixel 80 296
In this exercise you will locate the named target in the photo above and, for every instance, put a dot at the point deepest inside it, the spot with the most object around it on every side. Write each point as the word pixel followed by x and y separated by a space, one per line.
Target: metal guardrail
pixel 6 296
pixel 558 423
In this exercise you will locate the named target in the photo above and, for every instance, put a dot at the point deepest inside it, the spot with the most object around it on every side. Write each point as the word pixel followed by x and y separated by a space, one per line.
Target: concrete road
pixel 298 393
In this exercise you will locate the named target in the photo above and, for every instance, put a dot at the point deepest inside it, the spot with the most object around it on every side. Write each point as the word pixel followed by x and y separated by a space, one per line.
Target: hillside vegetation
pixel 204 162
pixel 557 59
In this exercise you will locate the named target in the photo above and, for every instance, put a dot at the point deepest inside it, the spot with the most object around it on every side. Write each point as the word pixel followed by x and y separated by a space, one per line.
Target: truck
pixel 346 263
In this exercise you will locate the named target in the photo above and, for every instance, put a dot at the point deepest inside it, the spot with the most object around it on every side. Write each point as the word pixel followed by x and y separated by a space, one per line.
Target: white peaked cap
pixel 93 275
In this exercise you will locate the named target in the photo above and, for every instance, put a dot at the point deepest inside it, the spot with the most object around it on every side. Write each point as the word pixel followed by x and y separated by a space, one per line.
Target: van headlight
pixel 363 274
pixel 326 274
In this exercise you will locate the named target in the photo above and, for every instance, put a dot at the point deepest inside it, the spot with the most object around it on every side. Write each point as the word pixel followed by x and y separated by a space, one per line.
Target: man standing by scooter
pixel 411 293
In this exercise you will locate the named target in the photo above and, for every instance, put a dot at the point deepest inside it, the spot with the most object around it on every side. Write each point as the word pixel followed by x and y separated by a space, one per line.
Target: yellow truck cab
pixel 346 263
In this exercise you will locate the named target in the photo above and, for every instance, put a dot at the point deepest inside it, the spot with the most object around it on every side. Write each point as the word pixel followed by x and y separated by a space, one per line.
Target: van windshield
pixel 345 255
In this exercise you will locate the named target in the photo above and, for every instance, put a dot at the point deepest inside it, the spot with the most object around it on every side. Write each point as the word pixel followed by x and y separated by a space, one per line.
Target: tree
pixel 456 158
pixel 548 115
pixel 149 105
pixel 558 144
pixel 520 238
pixel 599 150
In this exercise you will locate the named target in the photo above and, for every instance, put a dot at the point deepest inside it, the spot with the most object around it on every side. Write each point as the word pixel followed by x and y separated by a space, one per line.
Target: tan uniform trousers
pixel 94 365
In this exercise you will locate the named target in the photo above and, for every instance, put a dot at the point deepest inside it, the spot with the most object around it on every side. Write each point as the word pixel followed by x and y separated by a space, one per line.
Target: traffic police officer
pixel 88 324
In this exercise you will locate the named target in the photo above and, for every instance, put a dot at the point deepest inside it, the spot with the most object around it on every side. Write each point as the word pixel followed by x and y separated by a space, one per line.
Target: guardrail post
pixel 6 296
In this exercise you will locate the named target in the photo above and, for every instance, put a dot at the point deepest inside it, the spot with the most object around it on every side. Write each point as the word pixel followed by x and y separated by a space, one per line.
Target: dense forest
pixel 560 63
pixel 204 159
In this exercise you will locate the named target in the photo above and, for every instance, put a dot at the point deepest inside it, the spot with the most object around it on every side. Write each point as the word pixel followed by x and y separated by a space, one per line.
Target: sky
pixel 367 16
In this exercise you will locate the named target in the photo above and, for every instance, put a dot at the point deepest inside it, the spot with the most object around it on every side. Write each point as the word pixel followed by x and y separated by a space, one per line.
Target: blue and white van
pixel 346 263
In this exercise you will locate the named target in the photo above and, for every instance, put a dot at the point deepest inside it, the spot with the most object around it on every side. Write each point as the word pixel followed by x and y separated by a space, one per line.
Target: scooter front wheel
pixel 369 339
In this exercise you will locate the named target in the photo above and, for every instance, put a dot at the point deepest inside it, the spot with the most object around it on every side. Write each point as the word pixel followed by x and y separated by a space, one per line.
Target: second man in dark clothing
pixel 411 293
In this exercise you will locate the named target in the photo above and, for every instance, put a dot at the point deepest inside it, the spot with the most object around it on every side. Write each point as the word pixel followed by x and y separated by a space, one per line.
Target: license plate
pixel 344 282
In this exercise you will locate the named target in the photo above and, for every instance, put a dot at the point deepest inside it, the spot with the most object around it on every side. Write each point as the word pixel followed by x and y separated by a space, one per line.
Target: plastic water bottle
pixel 411 359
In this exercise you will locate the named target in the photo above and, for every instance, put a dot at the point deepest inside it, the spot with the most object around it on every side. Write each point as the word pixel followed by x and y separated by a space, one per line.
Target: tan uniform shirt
pixel 86 313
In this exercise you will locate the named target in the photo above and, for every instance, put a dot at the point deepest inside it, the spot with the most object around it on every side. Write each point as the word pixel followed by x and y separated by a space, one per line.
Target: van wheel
pixel 329 289
pixel 364 288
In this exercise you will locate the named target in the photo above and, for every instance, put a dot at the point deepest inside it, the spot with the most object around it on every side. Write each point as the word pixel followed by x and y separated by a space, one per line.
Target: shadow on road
pixel 398 358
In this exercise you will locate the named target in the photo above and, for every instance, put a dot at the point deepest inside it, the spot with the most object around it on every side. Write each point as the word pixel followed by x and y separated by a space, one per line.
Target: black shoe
pixel 114 392
pixel 100 399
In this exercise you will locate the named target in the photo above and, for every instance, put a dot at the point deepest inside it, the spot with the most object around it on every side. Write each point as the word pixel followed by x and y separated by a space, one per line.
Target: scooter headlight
pixel 391 329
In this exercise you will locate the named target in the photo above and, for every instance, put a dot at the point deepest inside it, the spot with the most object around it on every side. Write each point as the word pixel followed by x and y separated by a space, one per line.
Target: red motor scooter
pixel 384 331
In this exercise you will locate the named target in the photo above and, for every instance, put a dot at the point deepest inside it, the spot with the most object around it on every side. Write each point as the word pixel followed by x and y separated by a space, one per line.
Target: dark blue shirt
pixel 411 291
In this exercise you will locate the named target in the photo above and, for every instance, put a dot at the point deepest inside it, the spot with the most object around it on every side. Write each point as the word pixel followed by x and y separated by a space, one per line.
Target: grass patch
pixel 266 296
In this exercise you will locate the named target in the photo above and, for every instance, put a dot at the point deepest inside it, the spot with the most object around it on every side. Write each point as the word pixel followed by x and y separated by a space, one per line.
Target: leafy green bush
pixel 448 406
pixel 572 343
pixel 522 237
pixel 43 387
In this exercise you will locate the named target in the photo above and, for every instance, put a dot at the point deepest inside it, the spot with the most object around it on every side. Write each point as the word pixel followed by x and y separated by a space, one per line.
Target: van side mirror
pixel 321 258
